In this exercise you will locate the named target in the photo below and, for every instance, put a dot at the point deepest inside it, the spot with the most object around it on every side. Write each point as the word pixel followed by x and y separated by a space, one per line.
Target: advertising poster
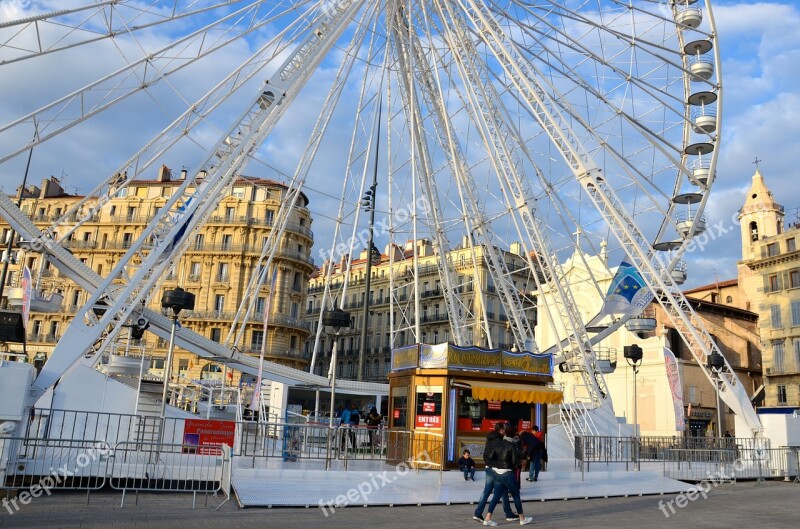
pixel 204 437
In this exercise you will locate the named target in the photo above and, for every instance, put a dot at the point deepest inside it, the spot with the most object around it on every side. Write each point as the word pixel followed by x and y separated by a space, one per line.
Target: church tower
pixel 760 217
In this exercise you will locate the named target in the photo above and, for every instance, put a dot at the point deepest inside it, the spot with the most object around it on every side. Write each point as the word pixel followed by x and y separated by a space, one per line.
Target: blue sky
pixel 760 48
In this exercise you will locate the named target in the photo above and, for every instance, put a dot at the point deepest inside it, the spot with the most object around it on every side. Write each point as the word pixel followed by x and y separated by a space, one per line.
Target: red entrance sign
pixel 429 421
pixel 429 407
pixel 205 436
pixel 494 405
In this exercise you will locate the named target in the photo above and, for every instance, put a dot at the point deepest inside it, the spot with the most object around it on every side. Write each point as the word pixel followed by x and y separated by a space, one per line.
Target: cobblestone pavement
pixel 745 504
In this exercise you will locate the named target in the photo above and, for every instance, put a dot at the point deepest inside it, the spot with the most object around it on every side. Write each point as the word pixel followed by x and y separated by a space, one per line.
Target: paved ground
pixel 745 504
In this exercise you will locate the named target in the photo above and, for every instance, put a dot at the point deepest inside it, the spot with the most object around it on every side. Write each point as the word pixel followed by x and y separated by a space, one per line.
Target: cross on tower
pixel 757 162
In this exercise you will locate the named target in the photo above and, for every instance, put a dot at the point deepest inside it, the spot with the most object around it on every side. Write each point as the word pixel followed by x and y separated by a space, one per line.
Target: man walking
pixel 492 439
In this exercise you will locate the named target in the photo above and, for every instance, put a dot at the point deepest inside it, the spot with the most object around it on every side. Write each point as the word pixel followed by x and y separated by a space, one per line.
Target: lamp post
pixel 368 202
pixel 633 355
pixel 338 319
pixel 175 300
pixel 715 363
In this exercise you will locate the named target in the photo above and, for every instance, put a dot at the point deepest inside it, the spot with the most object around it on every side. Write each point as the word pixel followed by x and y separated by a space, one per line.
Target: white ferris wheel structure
pixel 499 121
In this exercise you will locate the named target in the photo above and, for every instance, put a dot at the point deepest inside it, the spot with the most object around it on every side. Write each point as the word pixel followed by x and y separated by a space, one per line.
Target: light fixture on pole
pixel 368 202
pixel 337 319
pixel 715 363
pixel 633 355
pixel 175 300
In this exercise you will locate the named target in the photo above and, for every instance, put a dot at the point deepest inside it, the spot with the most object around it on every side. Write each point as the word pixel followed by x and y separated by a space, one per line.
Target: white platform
pixel 304 484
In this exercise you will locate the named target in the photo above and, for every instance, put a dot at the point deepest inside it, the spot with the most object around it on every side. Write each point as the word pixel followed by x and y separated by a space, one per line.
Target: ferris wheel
pixel 560 127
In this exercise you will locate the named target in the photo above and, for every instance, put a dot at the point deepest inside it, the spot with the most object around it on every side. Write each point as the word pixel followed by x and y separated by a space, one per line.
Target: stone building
pixel 434 323
pixel 658 414
pixel 216 268
pixel 769 281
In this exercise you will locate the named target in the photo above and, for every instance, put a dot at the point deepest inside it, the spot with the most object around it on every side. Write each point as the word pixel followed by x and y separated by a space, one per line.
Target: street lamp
pixel 338 319
pixel 633 355
pixel 368 202
pixel 715 363
pixel 175 300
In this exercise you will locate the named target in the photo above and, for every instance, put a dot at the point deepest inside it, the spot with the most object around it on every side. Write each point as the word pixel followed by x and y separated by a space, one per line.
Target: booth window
pixel 399 411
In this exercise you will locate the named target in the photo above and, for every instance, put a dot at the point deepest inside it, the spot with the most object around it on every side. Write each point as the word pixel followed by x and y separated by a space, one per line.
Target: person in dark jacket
pixel 506 456
pixel 492 440
pixel 534 447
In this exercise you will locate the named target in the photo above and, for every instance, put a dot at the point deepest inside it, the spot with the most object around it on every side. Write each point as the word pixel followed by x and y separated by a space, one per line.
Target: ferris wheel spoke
pixel 137 75
pixel 70 28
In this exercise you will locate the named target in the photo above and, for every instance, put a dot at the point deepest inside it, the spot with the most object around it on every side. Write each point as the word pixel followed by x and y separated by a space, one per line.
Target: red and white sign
pixel 205 436
pixel 396 414
pixel 429 421
pixel 428 407
pixel 525 425
pixel 494 405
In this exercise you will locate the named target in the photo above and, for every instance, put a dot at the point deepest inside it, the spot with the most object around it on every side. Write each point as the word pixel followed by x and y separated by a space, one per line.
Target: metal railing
pixel 41 465
pixel 167 467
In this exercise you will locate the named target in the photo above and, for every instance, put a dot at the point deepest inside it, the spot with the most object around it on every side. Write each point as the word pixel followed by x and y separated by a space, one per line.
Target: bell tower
pixel 760 217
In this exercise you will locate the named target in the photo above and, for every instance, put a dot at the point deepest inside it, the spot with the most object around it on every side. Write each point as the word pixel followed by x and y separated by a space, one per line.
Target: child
pixel 467 466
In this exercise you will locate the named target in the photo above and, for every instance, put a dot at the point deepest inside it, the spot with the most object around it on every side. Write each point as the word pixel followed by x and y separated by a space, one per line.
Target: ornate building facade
pixel 434 325
pixel 769 281
pixel 216 268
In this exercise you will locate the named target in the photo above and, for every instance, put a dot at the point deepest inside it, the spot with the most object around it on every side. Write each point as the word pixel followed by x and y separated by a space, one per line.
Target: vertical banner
pixel 27 291
pixel 674 380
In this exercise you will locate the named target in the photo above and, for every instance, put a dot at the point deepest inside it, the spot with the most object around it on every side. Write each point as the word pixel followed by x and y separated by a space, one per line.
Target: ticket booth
pixel 451 397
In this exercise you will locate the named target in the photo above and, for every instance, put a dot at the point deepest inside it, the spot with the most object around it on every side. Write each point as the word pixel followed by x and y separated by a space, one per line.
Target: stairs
pixel 148 420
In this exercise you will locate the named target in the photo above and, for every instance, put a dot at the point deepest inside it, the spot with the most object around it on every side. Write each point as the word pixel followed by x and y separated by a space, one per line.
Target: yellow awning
pixel 509 392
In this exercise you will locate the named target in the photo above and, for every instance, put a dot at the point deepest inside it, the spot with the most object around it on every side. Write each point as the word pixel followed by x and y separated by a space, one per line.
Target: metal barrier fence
pixel 42 465
pixel 167 467
pixel 730 464
pixel 632 451
pixel 311 441
pixel 109 427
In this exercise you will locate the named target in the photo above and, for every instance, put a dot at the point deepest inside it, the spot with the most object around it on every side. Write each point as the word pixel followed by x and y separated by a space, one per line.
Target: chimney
pixel 183 174
pixel 164 174
pixel 51 187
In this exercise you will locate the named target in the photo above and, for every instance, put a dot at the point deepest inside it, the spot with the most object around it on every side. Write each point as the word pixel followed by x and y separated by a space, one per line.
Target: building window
pixel 227 239
pixel 775 315
pixel 729 299
pixel 257 340
pixel 772 249
pixel 238 192
pixel 781 394
pixel 791 245
pixel 773 284
pixel 261 302
pixel 229 214
pixel 794 278
pixel 222 272
pixel 194 270
pixel 183 366
pixel 270 217
pixel 778 356
pixel 199 240
pixel 796 312
pixel 796 343
pixel 216 334
pixel 219 302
